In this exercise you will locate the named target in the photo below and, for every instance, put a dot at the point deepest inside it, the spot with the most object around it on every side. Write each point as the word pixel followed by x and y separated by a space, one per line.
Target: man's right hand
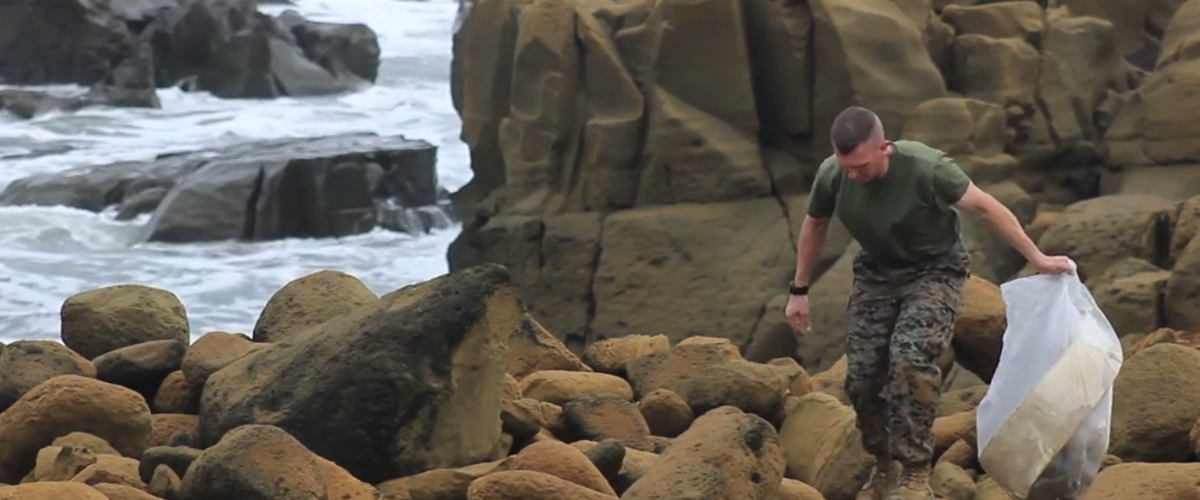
pixel 797 314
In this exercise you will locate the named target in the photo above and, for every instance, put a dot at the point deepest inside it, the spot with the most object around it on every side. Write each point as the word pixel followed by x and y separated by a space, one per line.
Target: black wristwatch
pixel 797 290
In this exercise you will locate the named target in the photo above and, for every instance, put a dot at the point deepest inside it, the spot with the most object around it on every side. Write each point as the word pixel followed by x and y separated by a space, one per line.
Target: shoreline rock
pixel 450 389
pixel 264 190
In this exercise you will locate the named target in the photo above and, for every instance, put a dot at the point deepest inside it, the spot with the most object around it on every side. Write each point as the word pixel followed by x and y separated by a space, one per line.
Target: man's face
pixel 867 162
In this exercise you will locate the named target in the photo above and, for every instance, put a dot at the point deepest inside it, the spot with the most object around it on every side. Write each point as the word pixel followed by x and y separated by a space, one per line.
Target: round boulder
pixel 103 320
pixel 310 300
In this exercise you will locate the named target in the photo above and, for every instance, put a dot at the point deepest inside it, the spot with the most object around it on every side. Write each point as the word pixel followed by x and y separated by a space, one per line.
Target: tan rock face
pixel 533 348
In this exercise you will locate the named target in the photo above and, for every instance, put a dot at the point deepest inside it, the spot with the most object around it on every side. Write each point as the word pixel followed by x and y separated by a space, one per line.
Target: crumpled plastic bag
pixel 1044 424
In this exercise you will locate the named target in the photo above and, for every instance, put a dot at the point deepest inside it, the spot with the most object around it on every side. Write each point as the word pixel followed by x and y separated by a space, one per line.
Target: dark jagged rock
pixel 328 187
pixel 411 383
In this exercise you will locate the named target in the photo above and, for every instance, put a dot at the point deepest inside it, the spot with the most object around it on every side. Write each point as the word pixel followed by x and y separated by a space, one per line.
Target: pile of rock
pixel 450 389
pixel 662 180
pixel 123 50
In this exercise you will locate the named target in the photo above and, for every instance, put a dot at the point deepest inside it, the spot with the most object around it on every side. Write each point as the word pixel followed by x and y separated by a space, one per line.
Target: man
pixel 898 200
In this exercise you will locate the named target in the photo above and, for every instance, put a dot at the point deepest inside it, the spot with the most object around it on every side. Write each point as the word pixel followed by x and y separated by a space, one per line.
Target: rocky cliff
pixel 642 166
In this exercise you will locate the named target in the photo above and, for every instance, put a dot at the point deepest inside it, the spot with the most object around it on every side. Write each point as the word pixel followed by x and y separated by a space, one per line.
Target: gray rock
pixel 327 187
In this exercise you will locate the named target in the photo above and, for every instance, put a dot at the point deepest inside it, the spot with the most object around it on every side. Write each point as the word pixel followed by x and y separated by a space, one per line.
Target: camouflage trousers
pixel 900 320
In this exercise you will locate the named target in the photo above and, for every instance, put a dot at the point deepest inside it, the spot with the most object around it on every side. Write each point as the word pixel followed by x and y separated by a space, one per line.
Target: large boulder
pixel 262 461
pixel 103 320
pixel 1154 405
pixel 67 404
pixel 410 383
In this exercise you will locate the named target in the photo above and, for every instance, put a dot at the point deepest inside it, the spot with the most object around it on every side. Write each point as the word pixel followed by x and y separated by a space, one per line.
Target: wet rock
pixel 60 42
pixel 262 190
pixel 411 383
pixel 343 49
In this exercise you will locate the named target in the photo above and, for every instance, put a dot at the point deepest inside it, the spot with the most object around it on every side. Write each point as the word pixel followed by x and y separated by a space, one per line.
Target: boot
pixel 883 477
pixel 913 484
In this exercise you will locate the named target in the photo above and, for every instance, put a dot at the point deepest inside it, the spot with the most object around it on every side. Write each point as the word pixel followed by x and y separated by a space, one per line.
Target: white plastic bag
pixel 1043 425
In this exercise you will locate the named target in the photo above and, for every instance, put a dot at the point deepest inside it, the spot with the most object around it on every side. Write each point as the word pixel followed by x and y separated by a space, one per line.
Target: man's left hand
pixel 1054 264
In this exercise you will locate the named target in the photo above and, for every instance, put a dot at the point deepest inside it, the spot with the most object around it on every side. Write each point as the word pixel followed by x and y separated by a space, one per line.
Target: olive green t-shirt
pixel 903 217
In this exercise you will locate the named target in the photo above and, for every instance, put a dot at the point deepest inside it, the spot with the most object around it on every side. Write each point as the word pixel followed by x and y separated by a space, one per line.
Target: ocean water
pixel 49 253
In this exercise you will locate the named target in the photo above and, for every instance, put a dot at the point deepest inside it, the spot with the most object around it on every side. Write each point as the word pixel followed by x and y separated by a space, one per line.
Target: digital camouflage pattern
pixel 900 319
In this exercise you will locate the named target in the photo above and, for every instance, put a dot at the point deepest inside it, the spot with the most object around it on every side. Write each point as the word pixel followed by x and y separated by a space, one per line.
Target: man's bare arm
pixel 1001 220
pixel 808 248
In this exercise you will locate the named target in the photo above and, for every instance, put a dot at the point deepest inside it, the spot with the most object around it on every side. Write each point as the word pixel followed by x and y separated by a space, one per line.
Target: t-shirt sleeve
pixel 821 197
pixel 950 183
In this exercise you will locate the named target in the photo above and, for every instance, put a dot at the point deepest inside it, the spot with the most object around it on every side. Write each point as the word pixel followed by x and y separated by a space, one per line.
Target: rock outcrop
pixel 453 389
pixel 332 186
pixel 124 50
pixel 642 167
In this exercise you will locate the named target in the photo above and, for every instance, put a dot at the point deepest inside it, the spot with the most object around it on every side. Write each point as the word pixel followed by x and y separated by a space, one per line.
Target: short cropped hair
pixel 853 127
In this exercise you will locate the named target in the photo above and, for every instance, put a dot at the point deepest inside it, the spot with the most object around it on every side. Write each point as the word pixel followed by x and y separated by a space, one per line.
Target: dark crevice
pixel 590 296
pixel 576 180
pixel 249 226
pixel 1162 240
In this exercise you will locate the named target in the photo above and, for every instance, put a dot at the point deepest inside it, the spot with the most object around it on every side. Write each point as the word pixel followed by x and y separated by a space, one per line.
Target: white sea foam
pixel 49 253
